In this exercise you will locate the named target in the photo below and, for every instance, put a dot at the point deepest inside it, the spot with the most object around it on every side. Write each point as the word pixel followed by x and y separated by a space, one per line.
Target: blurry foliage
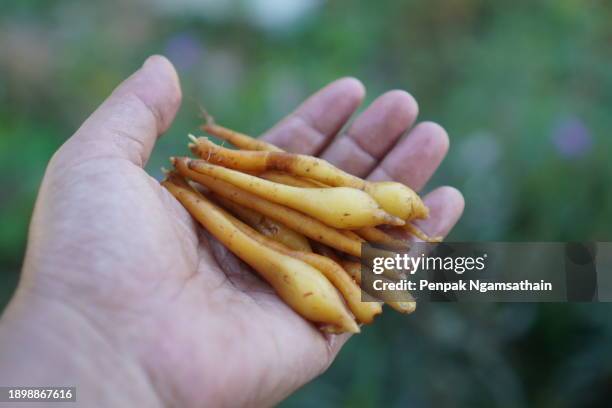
pixel 524 89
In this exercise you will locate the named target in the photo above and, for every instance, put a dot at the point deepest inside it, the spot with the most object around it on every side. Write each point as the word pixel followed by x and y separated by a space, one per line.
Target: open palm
pixel 115 257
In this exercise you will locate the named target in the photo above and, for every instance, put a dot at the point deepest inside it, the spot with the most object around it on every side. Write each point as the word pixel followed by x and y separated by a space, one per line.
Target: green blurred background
pixel 524 89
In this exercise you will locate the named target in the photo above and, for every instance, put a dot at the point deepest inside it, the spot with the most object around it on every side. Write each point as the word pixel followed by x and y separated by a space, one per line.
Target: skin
pixel 120 284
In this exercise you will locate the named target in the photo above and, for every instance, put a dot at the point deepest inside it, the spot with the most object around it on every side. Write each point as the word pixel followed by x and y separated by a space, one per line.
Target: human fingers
pixel 373 133
pixel 415 159
pixel 316 121
pixel 445 205
pixel 129 121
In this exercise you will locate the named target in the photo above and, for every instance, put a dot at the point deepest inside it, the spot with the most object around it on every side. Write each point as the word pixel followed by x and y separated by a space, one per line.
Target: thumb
pixel 128 123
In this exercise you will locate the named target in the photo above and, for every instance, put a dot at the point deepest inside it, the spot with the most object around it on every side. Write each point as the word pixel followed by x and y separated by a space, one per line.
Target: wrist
pixel 45 342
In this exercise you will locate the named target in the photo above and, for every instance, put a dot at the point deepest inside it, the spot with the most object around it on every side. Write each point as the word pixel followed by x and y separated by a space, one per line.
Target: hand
pixel 123 296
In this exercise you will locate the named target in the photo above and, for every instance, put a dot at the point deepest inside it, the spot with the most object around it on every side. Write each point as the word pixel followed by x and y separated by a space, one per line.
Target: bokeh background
pixel 523 87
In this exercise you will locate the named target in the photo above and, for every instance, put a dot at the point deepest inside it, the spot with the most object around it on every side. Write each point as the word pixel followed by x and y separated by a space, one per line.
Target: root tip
pixel 353 327
pixel 209 120
pixel 393 220
pixel 409 307
pixel 404 307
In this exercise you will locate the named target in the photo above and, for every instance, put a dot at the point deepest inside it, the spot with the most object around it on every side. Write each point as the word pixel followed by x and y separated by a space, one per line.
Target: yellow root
pixel 285 204
pixel 339 207
pixel 300 285
pixel 264 225
pixel 271 175
pixel 395 198
pixel 354 270
pixel 310 227
pixel 238 139
pixel 398 199
pixel 363 311
pixel 405 307
pixel 417 232
pixel 324 250
pixel 352 235
pixel 290 180
pixel 372 234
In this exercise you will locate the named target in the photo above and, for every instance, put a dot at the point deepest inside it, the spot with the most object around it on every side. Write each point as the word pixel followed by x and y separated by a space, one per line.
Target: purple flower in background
pixel 572 139
pixel 184 50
